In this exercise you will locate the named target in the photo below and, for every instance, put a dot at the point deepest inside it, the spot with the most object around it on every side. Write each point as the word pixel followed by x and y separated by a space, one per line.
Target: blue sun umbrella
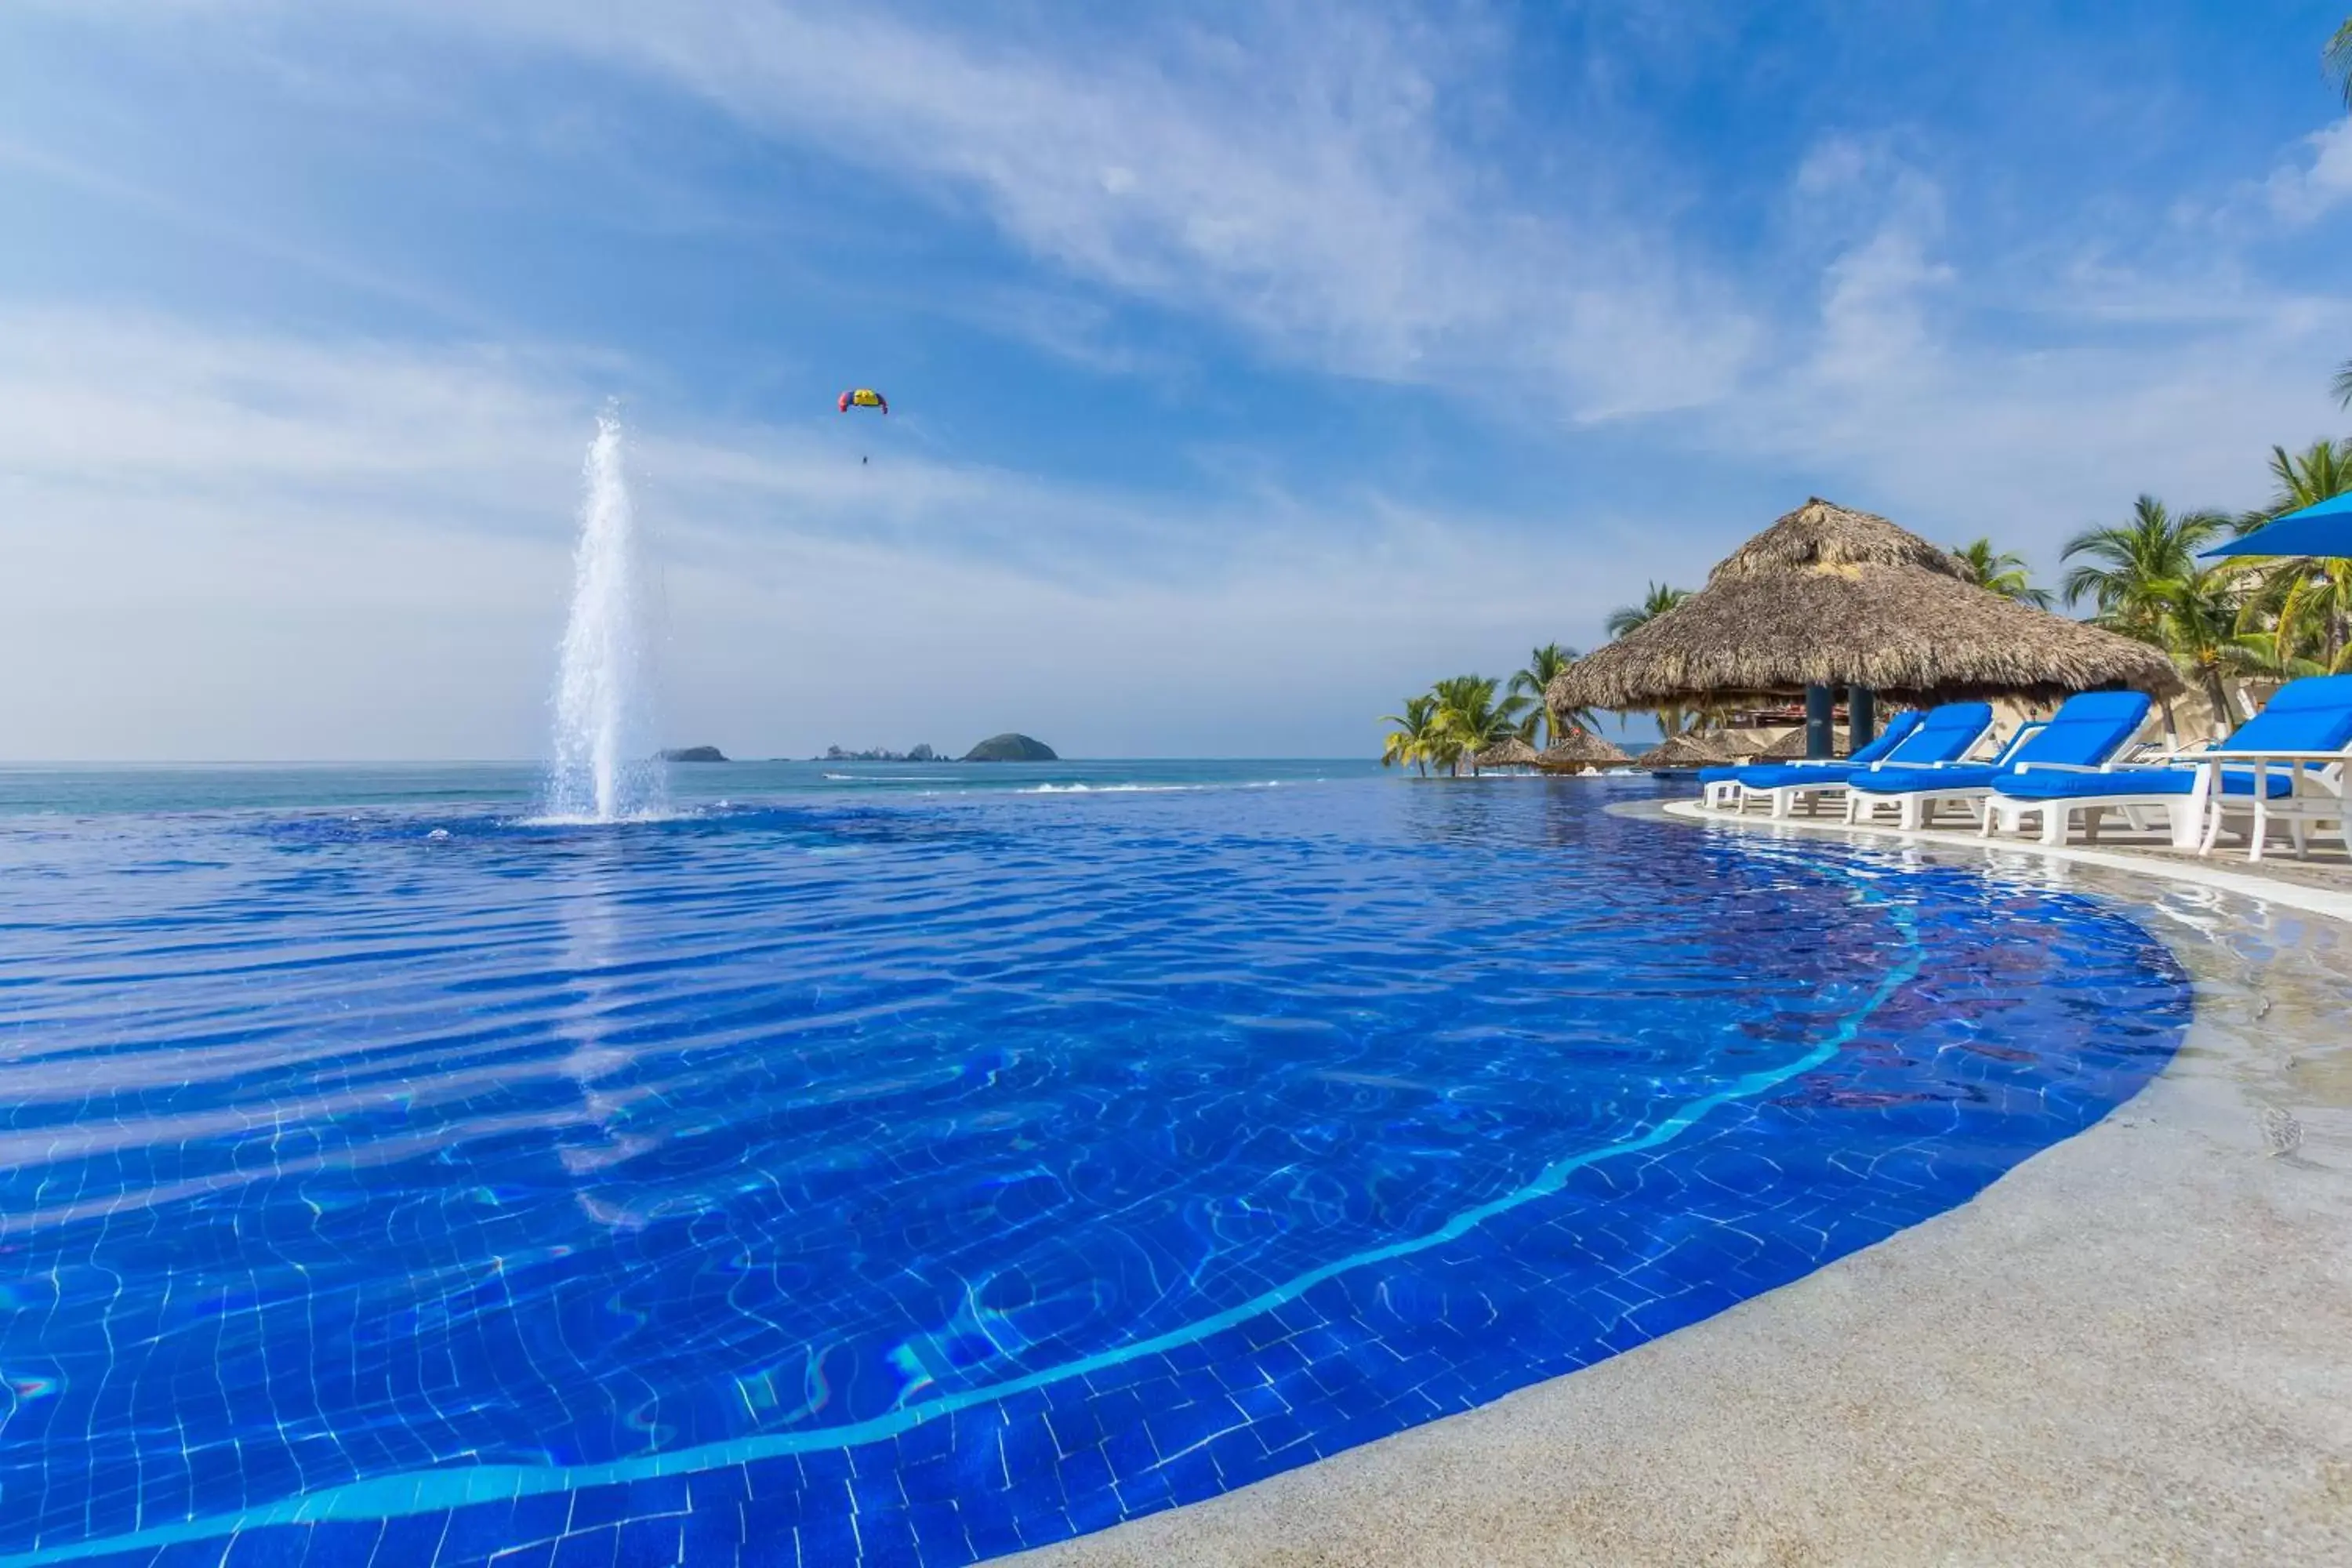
pixel 2324 528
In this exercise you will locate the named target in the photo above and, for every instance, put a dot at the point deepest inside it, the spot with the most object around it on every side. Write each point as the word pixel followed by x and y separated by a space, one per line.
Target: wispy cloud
pixel 1875 288
pixel 193 218
pixel 1295 182
pixel 241 545
pixel 2308 187
pixel 2172 372
pixel 1349 194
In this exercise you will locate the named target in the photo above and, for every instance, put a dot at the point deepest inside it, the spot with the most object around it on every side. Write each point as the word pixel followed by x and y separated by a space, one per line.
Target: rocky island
pixel 879 754
pixel 1011 748
pixel 694 754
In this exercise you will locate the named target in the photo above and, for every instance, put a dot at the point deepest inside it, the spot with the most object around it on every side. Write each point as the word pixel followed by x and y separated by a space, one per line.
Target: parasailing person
pixel 862 397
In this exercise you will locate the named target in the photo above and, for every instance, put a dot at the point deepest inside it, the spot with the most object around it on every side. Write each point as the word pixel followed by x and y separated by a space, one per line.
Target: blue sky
pixel 1251 364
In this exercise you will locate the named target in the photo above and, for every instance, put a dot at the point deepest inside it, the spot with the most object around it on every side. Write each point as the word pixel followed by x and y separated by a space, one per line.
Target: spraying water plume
pixel 605 767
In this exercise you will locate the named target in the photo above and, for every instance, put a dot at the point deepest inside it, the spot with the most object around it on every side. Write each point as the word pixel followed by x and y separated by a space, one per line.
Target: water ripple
pixel 331 1152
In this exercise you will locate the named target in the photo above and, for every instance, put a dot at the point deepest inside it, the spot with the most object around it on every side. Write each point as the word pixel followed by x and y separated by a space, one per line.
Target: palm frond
pixel 2082 582
pixel 2002 571
pixel 1660 598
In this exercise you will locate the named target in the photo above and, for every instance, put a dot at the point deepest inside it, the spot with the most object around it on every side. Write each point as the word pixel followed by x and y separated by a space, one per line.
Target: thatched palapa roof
pixel 1513 752
pixel 1580 749
pixel 1678 753
pixel 1792 746
pixel 1827 596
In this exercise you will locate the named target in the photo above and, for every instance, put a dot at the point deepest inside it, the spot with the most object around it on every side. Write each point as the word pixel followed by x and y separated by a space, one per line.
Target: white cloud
pixel 2019 402
pixel 1961 436
pixel 105 402
pixel 2304 191
pixel 158 207
pixel 1873 324
pixel 1880 219
pixel 246 542
pixel 1297 184
pixel 241 545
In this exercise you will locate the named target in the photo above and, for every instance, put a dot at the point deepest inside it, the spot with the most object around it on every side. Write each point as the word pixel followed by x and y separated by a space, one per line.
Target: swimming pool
pixel 893 1176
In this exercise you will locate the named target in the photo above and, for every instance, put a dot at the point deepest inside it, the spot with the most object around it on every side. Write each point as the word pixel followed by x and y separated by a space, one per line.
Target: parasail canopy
pixel 863 397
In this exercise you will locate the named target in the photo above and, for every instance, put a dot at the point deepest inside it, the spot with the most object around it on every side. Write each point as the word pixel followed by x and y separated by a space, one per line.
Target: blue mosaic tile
pixel 741 1201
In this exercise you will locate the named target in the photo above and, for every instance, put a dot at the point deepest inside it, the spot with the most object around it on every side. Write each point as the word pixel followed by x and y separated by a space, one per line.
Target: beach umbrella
pixel 2324 528
pixel 1579 750
pixel 1828 596
pixel 1508 752
pixel 1680 753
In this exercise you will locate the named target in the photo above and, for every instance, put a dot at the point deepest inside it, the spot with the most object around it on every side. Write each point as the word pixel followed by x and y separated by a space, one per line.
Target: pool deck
pixel 2135 1348
pixel 2327 868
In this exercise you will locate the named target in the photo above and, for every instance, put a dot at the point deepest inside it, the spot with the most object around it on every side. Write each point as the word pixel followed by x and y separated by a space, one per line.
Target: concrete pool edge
pixel 2128 1349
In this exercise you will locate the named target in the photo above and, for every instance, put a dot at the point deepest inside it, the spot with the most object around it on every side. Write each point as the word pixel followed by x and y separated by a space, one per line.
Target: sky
pixel 1251 364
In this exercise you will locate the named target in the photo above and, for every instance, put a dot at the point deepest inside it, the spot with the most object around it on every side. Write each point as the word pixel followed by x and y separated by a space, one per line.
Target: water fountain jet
pixel 605 766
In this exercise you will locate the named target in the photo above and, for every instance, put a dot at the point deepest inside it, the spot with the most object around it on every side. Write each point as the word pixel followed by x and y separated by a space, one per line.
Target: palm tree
pixel 2273 660
pixel 2321 472
pixel 1534 682
pixel 1659 600
pixel 1408 742
pixel 2200 621
pixel 2129 571
pixel 2137 576
pixel 2306 599
pixel 1470 718
pixel 1632 618
pixel 2314 613
pixel 2343 384
pixel 2003 573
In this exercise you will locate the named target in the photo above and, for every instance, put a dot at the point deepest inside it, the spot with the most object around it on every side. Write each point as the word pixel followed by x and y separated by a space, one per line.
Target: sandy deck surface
pixel 2136 1348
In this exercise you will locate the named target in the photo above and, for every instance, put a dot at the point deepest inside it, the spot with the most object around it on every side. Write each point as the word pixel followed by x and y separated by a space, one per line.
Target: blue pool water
pixel 893 1168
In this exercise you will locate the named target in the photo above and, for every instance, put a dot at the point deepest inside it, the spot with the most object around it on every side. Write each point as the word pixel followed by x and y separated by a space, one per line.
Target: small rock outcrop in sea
pixel 694 754
pixel 1011 748
pixel 879 754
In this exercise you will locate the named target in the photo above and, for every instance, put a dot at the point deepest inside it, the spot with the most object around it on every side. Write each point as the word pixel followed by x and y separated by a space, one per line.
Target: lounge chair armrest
pixel 2009 748
pixel 2223 754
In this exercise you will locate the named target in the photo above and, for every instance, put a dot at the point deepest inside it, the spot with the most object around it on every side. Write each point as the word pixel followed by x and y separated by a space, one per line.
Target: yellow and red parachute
pixel 863 397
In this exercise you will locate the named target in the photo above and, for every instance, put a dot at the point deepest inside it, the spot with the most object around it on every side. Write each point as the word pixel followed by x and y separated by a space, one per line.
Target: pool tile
pixel 401 1315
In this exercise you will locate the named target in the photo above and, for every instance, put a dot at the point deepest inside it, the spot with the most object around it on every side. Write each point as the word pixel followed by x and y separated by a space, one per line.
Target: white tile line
pixel 2287 895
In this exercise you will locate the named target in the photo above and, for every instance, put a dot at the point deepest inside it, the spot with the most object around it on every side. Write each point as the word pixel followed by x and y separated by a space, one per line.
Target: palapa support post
pixel 1820 721
pixel 1860 717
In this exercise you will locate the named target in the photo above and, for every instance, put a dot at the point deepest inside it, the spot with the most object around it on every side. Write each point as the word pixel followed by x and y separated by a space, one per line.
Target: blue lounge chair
pixel 2285 763
pixel 1721 787
pixel 2085 734
pixel 1945 735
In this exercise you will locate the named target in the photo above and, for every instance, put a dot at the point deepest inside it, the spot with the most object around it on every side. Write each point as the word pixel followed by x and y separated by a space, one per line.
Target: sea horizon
pixel 87 789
